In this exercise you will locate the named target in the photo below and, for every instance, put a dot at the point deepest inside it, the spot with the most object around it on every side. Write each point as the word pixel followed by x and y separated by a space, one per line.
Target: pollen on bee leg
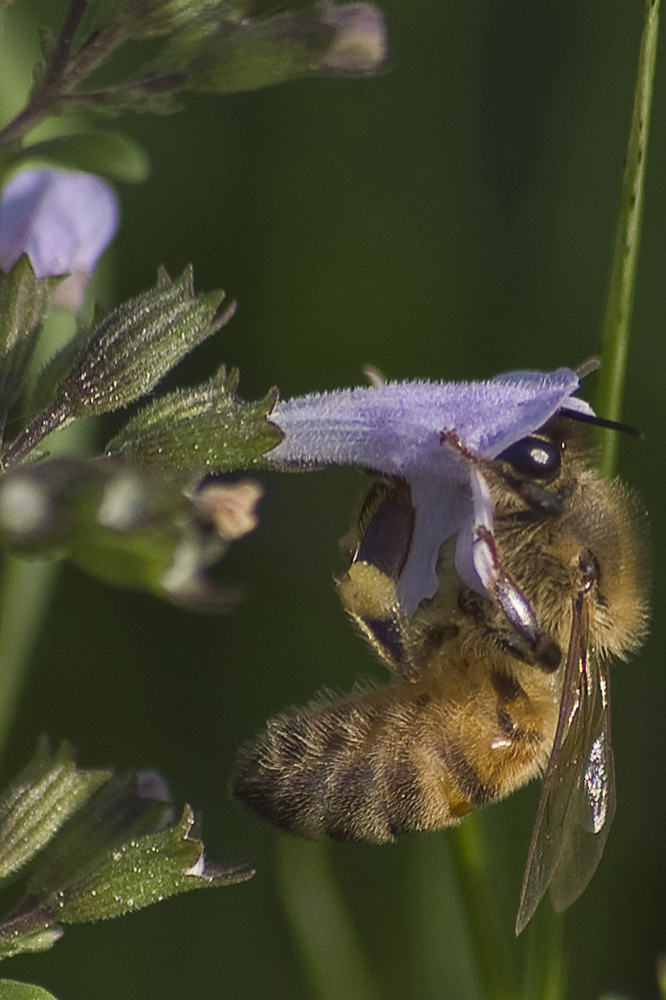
pixel 367 592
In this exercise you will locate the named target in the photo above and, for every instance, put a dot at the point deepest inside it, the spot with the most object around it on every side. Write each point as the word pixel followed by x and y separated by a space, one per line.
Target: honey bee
pixel 489 690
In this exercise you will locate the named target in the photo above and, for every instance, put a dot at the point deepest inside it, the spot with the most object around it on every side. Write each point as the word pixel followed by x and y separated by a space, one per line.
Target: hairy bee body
pixel 411 756
pixel 471 714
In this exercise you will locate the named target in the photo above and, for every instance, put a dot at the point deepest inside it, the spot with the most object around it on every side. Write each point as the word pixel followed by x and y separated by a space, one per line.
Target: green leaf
pixel 120 523
pixel 23 303
pixel 41 799
pixel 135 346
pixel 11 990
pixel 111 154
pixel 207 428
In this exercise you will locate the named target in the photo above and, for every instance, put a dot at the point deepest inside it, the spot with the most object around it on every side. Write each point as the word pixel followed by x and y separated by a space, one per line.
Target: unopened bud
pixel 320 41
pixel 360 43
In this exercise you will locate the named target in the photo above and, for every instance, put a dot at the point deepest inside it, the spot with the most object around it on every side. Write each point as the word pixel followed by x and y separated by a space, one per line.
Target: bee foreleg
pixel 535 646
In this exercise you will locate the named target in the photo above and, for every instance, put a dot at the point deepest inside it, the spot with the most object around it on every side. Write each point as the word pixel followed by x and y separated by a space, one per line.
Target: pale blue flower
pixel 399 429
pixel 62 220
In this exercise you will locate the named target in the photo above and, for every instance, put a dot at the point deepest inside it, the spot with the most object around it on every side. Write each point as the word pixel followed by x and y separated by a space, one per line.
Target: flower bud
pixel 359 44
pixel 332 39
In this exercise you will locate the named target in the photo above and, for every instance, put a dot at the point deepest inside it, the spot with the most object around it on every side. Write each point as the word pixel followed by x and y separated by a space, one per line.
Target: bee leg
pixel 477 560
pixel 387 538
pixel 504 635
pixel 368 589
pixel 536 646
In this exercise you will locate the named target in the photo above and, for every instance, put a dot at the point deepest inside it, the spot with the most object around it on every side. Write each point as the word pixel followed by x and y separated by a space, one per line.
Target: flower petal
pixel 62 220
pixel 397 429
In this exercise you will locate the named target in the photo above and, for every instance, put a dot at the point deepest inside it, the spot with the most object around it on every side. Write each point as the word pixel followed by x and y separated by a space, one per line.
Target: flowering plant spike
pixel 420 431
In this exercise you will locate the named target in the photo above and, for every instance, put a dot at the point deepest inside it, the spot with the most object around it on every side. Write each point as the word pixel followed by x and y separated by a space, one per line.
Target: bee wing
pixel 577 801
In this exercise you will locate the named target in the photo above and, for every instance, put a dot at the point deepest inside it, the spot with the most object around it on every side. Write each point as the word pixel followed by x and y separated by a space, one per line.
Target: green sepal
pixel 148 97
pixel 109 153
pixel 203 429
pixel 117 522
pixel 144 19
pixel 145 871
pixel 135 346
pixel 125 809
pixel 39 801
pixel 121 853
pixel 12 990
pixel 258 53
pixel 155 18
pixel 43 389
pixel 32 930
pixel 24 300
pixel 43 797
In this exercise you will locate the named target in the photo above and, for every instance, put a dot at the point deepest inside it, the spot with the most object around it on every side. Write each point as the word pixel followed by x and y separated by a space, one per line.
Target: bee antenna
pixel 611 425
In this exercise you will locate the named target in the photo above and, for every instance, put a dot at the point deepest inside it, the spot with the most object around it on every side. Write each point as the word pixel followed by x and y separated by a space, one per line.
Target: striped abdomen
pixel 399 759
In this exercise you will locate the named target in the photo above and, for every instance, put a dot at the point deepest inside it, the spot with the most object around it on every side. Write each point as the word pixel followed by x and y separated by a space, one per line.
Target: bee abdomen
pixel 360 770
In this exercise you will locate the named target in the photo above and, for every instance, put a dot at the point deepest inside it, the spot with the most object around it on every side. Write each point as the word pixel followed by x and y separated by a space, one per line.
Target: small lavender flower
pixel 62 220
pixel 419 431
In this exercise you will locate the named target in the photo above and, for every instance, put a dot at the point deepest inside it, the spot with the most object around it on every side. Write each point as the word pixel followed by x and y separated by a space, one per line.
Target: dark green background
pixel 450 219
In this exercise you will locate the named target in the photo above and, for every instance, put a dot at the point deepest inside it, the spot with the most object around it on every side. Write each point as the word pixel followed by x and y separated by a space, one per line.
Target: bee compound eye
pixel 533 458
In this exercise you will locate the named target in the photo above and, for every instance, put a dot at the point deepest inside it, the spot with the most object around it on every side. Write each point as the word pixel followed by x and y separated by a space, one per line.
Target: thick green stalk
pixel 25 592
pixel 617 320
pixel 491 934
pixel 331 954
pixel 545 964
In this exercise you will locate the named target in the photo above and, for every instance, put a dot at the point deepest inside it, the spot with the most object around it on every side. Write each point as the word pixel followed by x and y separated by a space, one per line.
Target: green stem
pixel 26 585
pixel 332 956
pixel 545 966
pixel 617 320
pixel 487 922
pixel 65 72
pixel 25 593
pixel 25 590
pixel 56 415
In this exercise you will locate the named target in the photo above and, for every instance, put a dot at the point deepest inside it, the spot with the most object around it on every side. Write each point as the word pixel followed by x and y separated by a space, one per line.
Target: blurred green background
pixel 450 219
